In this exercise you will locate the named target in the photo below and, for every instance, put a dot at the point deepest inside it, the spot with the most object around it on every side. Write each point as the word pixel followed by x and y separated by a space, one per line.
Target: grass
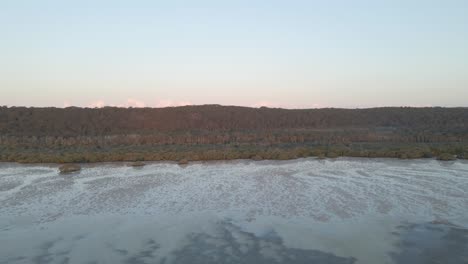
pixel 443 151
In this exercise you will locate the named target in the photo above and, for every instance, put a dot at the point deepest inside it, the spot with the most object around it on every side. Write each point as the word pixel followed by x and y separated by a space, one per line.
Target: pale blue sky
pixel 277 53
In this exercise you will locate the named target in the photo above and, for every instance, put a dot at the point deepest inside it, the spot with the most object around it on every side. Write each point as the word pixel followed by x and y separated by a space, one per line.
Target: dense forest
pixel 227 132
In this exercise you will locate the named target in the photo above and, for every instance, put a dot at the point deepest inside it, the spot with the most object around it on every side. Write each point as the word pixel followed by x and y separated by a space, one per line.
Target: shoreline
pixel 191 153
pixel 215 161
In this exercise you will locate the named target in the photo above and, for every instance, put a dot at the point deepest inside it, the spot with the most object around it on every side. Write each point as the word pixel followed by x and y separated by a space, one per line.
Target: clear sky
pixel 329 53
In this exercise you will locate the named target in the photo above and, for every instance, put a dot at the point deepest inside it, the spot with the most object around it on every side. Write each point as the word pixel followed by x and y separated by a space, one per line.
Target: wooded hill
pixel 73 121
pixel 53 131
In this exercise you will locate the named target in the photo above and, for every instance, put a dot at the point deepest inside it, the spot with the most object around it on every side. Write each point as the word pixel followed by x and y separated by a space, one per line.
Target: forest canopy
pixel 188 129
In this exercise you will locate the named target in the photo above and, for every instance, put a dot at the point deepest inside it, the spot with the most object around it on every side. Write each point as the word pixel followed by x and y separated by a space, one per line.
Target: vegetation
pixel 67 168
pixel 446 156
pixel 137 164
pixel 213 132
pixel 183 162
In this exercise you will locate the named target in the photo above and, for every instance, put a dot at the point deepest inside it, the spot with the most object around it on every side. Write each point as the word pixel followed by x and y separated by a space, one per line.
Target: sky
pixel 291 54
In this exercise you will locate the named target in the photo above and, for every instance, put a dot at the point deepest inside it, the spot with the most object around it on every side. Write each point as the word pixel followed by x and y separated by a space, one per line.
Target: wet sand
pixel 302 211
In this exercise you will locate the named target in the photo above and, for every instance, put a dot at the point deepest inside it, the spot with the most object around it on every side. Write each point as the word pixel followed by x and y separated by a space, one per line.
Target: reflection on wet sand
pixel 304 211
pixel 247 248
pixel 225 242
pixel 433 242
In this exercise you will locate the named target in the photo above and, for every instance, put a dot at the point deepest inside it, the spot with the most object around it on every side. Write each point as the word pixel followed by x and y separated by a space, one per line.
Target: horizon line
pixel 221 105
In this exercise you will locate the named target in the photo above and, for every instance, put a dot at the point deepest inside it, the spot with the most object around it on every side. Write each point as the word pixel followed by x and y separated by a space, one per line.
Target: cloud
pixel 315 105
pixel 131 102
pixel 287 106
pixel 171 103
pixel 66 104
pixel 97 104
pixel 265 104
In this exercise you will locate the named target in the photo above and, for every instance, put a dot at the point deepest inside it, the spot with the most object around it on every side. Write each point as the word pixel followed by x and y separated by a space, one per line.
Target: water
pixel 301 211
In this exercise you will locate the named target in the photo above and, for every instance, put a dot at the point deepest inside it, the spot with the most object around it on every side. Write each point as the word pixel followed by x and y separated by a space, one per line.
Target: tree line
pixel 55 131
pixel 73 121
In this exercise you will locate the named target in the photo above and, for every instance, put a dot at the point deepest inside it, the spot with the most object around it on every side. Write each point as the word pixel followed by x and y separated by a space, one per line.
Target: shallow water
pixel 301 211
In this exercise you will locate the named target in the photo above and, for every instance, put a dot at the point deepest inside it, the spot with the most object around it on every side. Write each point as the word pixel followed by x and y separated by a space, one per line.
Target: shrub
pixel 446 157
pixel 68 168
pixel 137 164
pixel 183 162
